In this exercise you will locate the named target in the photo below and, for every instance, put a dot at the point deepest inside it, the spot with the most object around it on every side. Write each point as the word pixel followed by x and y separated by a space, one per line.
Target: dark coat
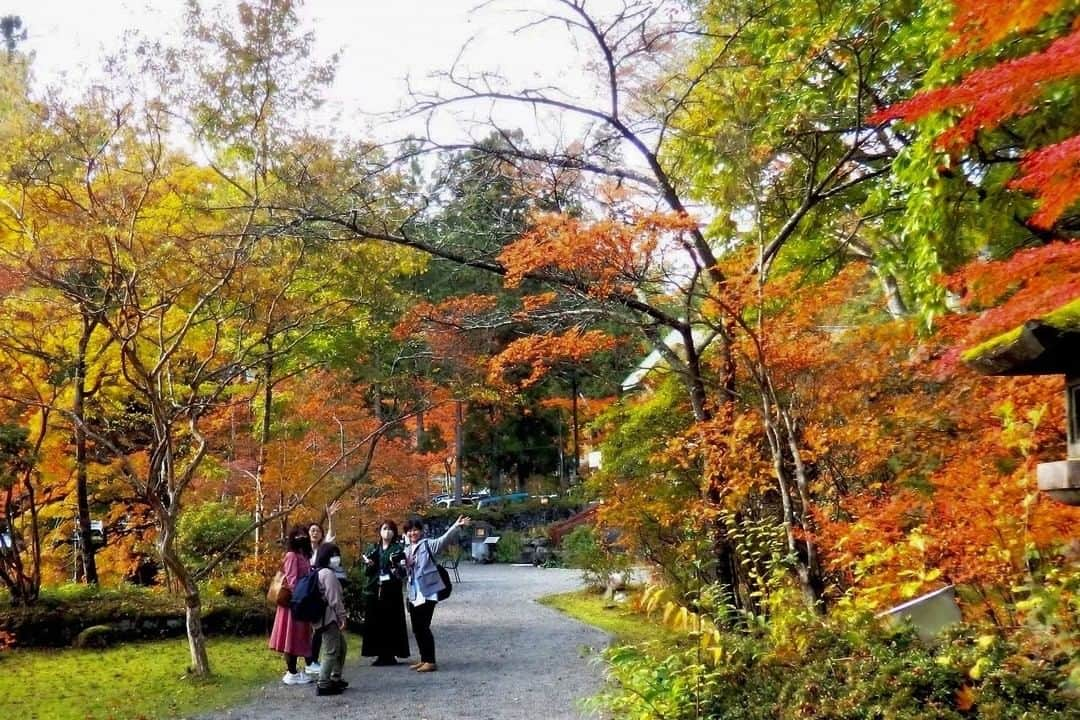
pixel 385 633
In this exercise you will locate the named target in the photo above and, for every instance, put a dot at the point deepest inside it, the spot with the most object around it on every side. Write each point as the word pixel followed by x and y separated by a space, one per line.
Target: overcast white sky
pixel 382 42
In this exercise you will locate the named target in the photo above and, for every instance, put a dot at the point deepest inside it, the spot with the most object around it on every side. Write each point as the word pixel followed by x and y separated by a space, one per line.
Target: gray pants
pixel 332 659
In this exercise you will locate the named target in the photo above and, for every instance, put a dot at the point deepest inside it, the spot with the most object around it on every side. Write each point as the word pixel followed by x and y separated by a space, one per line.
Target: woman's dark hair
pixel 325 552
pixel 413 523
pixel 390 524
pixel 298 541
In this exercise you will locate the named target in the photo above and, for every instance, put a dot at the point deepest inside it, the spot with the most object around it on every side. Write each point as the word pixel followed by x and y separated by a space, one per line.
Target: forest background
pixel 216 318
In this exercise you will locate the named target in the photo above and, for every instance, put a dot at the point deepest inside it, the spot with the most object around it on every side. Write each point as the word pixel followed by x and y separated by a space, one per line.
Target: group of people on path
pixel 399 572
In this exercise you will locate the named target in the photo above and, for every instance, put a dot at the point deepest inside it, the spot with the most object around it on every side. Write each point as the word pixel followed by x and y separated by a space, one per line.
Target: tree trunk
pixel 200 661
pixel 894 302
pixel 78 410
pixel 459 449
pixel 264 441
pixel 806 516
pixel 574 417
pixel 773 433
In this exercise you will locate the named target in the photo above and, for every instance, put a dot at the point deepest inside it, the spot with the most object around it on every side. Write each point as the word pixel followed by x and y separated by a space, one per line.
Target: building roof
pixel 674 342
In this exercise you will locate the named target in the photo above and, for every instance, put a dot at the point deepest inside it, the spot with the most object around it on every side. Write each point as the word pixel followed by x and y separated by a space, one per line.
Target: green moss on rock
pixel 1023 349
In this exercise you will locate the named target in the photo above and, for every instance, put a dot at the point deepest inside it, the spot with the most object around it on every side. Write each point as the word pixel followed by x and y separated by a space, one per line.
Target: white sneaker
pixel 297 678
pixel 313 669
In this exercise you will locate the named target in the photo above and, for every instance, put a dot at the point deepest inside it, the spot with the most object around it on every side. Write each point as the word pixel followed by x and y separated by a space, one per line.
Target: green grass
pixel 135 680
pixel 628 627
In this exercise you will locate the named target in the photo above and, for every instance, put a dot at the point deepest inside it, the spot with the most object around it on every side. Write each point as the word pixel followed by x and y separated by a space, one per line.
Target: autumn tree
pixel 1016 94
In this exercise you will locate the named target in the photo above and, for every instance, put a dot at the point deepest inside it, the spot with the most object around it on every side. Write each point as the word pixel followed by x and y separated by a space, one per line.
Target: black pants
pixel 316 647
pixel 421 628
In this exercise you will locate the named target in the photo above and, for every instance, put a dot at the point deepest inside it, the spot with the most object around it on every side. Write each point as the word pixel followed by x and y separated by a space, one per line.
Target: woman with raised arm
pixel 423 584
pixel 318 537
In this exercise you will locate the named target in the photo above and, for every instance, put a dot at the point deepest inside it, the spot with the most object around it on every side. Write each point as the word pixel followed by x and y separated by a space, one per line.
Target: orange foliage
pixel 916 478
pixel 980 24
pixel 316 416
pixel 532 303
pixel 450 313
pixel 611 256
pixel 1010 292
pixel 1052 173
pixel 539 353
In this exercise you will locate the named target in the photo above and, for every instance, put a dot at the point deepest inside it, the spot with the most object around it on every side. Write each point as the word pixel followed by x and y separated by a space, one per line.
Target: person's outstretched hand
pixel 333 507
pixel 464 520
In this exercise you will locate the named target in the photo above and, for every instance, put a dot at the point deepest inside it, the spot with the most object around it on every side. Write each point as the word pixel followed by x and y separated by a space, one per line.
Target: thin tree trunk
pixel 264 441
pixel 165 512
pixel 696 379
pixel 806 516
pixel 776 447
pixel 200 660
pixel 459 449
pixel 78 410
pixel 574 417
pixel 894 301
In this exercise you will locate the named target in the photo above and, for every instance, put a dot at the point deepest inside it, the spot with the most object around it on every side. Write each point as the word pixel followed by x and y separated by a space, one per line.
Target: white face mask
pixel 335 562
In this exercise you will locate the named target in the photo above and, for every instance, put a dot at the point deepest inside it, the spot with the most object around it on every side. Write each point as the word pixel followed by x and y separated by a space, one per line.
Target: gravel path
pixel 501 657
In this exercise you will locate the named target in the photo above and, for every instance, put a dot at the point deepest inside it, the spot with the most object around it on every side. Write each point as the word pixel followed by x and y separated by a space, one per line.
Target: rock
pixel 95 636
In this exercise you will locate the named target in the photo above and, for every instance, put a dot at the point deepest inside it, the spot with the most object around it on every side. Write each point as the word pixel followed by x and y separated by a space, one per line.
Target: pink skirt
pixel 289 635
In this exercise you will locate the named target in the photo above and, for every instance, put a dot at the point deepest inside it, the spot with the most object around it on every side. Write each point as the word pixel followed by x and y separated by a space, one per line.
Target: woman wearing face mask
pixel 332 623
pixel 385 635
pixel 423 583
pixel 319 538
pixel 292 637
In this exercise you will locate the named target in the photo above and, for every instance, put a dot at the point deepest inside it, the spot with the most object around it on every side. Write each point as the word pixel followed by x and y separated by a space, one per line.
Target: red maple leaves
pixel 991 95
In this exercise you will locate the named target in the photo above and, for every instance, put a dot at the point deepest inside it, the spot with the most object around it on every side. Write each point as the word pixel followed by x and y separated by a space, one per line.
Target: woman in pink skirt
pixel 290 636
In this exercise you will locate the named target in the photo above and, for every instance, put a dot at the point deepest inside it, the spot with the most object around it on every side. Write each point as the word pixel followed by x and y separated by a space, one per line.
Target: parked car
pixel 502 499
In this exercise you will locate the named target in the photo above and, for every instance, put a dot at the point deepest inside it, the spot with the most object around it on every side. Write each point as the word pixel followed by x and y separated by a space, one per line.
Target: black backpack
pixel 307 602
pixel 448 587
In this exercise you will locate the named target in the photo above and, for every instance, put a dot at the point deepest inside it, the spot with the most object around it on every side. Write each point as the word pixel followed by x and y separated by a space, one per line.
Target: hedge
pixel 135 617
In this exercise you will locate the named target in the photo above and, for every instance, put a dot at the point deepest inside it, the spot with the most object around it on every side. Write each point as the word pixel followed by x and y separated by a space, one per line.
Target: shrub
pixel 131 614
pixel 353 595
pixel 509 547
pixel 841 668
pixel 206 529
pixel 599 562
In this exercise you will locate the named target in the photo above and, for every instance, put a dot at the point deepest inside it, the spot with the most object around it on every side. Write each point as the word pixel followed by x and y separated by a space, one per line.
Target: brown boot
pixel 416 664
pixel 427 667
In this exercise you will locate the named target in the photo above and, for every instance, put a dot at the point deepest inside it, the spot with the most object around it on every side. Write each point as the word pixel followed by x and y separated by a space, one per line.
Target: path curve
pixel 502 656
